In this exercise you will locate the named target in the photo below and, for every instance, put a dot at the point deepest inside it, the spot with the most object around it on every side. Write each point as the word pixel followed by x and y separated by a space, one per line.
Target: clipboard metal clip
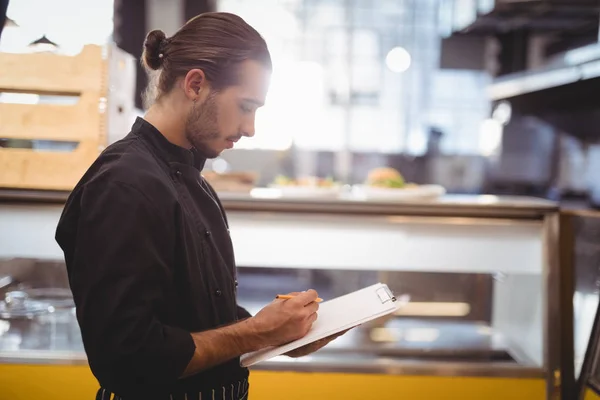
pixel 385 294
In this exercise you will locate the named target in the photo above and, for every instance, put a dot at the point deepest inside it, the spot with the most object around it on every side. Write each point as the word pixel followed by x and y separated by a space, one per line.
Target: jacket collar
pixel 171 152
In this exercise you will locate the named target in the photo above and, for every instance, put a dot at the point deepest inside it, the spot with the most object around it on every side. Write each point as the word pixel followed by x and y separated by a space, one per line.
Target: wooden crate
pixel 84 122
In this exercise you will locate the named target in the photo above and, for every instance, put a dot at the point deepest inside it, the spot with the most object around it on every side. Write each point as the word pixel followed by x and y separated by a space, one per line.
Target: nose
pixel 248 127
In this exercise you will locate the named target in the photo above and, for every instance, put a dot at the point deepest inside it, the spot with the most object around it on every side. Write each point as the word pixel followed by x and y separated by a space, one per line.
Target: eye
pixel 245 108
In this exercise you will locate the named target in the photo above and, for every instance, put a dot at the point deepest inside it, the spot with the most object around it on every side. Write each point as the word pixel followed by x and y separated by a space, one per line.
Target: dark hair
pixel 214 42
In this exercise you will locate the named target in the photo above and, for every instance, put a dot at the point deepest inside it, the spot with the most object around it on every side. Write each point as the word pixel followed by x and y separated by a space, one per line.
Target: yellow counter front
pixel 65 382
pixel 590 394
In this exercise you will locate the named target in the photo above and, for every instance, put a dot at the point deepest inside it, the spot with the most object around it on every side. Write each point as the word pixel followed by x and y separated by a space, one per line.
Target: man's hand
pixel 314 346
pixel 284 321
pixel 280 322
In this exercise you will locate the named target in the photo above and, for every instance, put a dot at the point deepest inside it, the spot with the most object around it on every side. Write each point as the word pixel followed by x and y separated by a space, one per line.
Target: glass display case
pixel 481 272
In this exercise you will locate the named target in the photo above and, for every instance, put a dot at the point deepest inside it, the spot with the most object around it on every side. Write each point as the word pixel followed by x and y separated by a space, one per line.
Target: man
pixel 145 238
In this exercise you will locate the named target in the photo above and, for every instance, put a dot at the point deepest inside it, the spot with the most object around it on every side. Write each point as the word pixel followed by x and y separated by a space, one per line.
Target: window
pixel 69 23
pixel 331 89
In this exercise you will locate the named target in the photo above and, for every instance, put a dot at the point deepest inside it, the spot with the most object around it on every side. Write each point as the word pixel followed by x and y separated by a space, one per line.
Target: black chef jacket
pixel 149 260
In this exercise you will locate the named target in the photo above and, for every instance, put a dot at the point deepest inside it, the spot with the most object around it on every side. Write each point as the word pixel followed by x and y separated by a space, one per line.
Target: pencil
pixel 287 296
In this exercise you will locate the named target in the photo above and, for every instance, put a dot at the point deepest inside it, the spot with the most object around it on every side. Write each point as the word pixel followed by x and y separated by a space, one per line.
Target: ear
pixel 194 84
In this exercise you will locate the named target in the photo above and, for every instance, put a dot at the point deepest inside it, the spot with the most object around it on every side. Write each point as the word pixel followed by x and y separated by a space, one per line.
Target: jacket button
pixel 207 233
pixel 178 173
pixel 218 292
pixel 236 283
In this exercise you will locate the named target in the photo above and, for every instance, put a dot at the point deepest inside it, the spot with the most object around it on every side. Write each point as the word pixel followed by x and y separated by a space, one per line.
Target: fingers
pixel 306 323
pixel 304 298
pixel 311 308
pixel 280 300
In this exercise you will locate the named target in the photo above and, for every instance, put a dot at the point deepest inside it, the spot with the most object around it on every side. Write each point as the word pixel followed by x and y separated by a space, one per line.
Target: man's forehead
pixel 254 79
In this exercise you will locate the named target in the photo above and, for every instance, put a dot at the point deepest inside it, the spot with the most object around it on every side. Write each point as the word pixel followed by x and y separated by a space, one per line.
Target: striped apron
pixel 235 391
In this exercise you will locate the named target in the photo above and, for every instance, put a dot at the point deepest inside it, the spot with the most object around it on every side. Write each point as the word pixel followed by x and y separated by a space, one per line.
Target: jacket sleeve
pixel 120 261
pixel 242 313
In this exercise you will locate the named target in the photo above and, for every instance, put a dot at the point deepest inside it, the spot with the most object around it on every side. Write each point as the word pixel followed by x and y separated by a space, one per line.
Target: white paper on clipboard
pixel 337 315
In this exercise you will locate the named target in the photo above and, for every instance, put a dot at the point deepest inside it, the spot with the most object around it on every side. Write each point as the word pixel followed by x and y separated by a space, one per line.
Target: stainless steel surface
pixel 390 366
pixel 17 304
pixel 450 205
pixel 58 298
pixel 572 66
pixel 267 217
pixel 267 200
pixel 401 345
pixel 48 333
pixel 5 281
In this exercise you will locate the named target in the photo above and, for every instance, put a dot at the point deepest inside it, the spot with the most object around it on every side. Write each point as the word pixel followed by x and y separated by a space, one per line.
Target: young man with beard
pixel 145 238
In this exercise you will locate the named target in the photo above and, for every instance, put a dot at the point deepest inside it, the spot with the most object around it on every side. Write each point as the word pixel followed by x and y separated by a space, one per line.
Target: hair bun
pixel 153 49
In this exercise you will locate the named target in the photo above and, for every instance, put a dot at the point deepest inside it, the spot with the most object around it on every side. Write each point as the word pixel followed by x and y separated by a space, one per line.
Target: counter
pixel 502 250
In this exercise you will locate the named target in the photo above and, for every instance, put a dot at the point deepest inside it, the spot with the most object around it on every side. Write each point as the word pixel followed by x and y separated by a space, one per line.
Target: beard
pixel 201 127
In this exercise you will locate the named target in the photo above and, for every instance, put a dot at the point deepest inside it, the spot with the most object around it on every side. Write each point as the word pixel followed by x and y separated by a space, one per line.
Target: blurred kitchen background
pixel 479 96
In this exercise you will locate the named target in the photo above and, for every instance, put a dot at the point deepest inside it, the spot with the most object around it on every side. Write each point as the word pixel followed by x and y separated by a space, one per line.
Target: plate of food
pixel 388 184
pixel 311 186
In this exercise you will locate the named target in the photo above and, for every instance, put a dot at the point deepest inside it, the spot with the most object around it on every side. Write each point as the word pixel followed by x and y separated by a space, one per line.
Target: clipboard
pixel 337 315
